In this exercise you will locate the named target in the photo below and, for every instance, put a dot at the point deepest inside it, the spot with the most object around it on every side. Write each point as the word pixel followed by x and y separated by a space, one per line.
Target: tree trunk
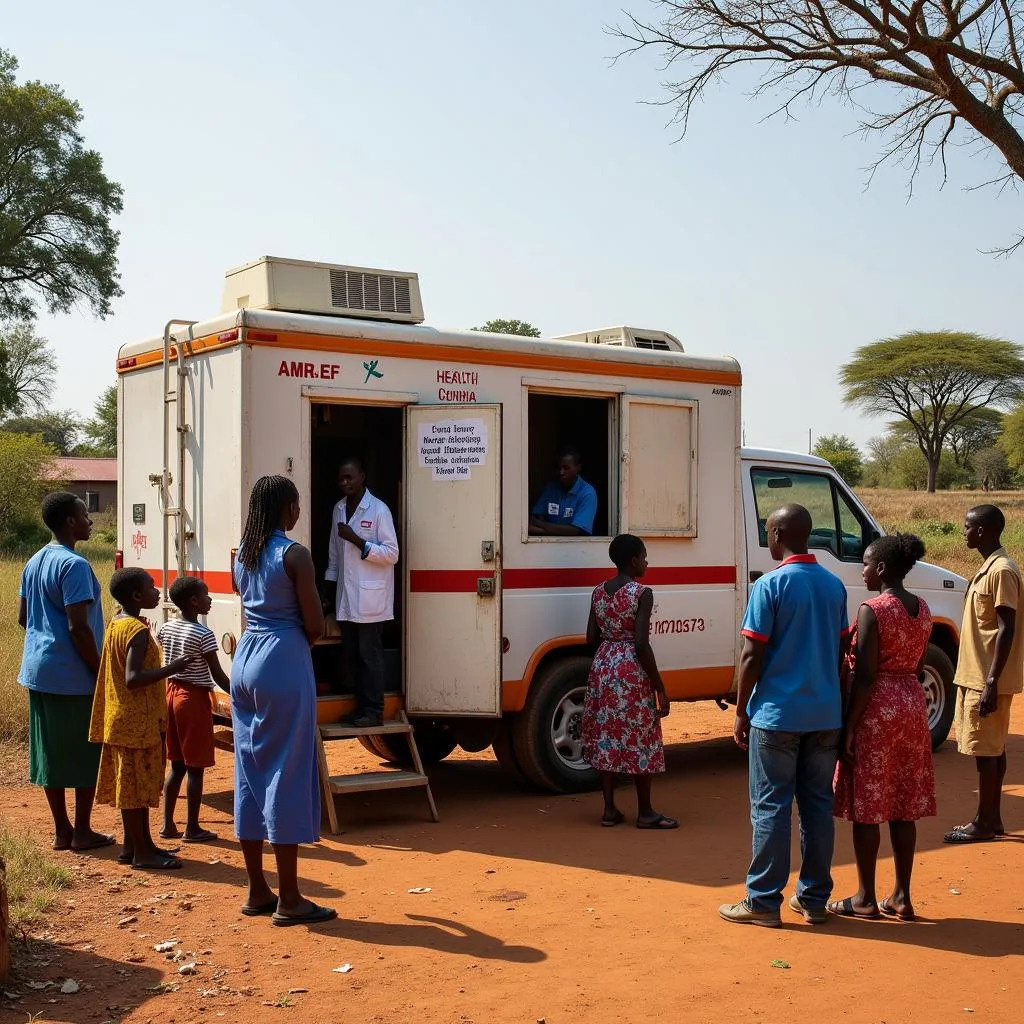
pixel 933 474
pixel 5 944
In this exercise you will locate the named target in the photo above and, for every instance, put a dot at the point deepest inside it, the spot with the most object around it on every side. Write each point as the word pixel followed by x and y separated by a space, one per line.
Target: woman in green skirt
pixel 62 615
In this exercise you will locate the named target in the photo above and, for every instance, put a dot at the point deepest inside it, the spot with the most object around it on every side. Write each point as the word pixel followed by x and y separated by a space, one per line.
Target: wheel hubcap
pixel 934 696
pixel 566 730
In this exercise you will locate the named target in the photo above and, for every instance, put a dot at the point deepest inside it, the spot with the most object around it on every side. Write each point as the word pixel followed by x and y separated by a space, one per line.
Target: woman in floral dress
pixel 626 698
pixel 886 771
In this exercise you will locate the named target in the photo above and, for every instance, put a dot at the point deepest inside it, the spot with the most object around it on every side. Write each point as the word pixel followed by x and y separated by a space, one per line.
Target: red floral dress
pixel 893 778
pixel 621 728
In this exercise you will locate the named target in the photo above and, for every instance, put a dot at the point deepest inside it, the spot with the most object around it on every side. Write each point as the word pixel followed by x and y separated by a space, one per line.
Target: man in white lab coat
pixel 362 553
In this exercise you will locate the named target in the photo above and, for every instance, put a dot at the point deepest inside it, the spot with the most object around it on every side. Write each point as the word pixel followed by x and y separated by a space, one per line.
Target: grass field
pixel 936 518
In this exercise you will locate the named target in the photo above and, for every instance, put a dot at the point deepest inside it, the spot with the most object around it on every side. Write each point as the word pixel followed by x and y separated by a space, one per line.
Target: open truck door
pixel 453 560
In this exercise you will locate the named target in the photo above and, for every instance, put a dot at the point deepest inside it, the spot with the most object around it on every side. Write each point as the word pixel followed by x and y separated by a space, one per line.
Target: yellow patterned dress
pixel 129 723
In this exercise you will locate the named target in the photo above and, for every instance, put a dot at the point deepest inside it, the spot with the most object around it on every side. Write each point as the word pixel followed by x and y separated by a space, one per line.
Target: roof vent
pixel 628 337
pixel 297 286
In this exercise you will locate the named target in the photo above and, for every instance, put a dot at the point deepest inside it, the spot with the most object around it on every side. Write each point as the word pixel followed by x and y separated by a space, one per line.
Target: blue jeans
pixel 784 765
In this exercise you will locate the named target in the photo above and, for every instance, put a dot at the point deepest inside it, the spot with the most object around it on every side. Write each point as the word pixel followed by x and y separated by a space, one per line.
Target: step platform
pixel 338 785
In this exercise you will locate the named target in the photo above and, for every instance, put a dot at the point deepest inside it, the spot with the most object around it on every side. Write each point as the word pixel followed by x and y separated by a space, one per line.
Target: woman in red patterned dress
pixel 626 698
pixel 886 771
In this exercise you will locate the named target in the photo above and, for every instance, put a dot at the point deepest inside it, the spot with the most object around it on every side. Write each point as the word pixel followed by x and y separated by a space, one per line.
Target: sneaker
pixel 743 913
pixel 810 916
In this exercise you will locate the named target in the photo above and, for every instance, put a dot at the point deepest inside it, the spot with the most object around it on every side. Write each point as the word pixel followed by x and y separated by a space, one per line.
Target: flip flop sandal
pixel 125 859
pixel 612 822
pixel 206 836
pixel 886 908
pixel 844 908
pixel 661 822
pixel 264 908
pixel 166 864
pixel 98 843
pixel 957 835
pixel 315 916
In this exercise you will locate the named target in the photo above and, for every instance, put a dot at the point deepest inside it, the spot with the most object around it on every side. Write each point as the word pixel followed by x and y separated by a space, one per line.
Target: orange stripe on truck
pixel 524 360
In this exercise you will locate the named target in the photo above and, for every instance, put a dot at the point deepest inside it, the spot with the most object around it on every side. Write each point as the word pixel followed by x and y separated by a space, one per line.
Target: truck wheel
pixel 504 750
pixel 434 746
pixel 939 693
pixel 546 734
pixel 366 742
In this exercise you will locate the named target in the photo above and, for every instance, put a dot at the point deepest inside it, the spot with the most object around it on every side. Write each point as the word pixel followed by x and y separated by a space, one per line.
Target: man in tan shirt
pixel 990 669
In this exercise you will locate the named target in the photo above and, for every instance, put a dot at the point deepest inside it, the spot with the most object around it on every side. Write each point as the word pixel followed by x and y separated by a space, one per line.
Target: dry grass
pixel 13 701
pixel 938 520
pixel 34 879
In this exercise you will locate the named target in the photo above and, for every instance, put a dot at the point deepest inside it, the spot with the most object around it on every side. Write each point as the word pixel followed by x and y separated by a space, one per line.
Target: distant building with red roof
pixel 93 480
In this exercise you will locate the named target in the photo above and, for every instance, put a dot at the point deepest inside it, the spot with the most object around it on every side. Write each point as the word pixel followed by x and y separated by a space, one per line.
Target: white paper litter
pixel 419 890
pixel 343 969
pixel 167 946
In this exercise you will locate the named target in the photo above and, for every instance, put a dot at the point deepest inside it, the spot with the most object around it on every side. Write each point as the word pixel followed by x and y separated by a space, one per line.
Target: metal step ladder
pixel 335 785
pixel 178 350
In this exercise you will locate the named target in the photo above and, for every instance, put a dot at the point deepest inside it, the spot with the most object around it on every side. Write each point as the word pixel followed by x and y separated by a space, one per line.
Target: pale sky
pixel 493 149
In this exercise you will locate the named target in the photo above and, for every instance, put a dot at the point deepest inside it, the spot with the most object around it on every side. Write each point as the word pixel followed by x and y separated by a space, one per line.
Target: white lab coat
pixel 366 586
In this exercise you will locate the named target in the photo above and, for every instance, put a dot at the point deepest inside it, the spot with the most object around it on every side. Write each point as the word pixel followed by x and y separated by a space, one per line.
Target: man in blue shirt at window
pixel 567 506
pixel 789 715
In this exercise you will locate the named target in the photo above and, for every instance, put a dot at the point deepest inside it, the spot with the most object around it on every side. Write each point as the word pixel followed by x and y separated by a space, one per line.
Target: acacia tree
pixel 56 203
pixel 952 68
pixel 58 429
pixel 933 382
pixel 28 370
pixel 520 327
pixel 977 431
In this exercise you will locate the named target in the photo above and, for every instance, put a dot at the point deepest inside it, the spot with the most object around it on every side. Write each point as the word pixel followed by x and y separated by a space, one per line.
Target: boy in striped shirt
pixel 189 705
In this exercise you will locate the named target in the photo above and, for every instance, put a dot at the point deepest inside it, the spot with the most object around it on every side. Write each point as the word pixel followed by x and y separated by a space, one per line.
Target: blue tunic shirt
pixel 574 507
pixel 54 578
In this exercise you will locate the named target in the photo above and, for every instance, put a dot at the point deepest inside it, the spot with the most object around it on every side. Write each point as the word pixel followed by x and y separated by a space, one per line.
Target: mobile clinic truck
pixel 459 432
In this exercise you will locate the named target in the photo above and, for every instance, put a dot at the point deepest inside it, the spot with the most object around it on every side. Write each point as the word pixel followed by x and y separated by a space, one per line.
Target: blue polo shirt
pixel 54 578
pixel 799 612
pixel 574 507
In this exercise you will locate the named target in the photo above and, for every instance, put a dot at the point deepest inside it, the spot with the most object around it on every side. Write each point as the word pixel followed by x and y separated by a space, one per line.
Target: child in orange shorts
pixel 189 705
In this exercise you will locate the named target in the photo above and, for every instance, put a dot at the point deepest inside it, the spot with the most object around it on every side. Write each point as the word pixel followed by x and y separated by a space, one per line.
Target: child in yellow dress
pixel 129 717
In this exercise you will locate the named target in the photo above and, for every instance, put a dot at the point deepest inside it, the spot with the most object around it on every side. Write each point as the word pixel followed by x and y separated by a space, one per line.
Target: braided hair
pixel 899 552
pixel 267 502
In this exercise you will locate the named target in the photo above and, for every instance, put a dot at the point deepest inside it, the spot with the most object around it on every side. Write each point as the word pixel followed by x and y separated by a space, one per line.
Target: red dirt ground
pixel 534 913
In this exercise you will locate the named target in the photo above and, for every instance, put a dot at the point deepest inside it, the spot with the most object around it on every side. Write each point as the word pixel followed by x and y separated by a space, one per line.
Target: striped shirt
pixel 180 638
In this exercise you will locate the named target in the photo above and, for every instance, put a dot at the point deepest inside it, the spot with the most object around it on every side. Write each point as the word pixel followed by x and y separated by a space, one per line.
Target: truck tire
pixel 434 745
pixel 504 750
pixel 939 693
pixel 366 742
pixel 546 733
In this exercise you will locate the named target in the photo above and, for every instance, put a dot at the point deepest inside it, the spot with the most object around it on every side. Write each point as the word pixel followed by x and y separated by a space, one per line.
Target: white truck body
pixel 458 432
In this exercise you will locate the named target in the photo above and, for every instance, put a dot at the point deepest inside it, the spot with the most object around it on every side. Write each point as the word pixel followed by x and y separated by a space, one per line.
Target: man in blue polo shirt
pixel 789 715
pixel 567 506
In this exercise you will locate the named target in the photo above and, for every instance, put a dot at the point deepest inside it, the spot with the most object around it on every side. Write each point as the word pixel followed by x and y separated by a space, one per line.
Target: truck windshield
pixel 838 525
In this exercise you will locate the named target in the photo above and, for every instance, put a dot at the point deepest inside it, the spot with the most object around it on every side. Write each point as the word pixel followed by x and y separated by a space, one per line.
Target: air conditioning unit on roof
pixel 628 337
pixel 324 289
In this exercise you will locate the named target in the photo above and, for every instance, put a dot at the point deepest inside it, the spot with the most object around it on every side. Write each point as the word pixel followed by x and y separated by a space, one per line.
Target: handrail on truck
pixel 177 396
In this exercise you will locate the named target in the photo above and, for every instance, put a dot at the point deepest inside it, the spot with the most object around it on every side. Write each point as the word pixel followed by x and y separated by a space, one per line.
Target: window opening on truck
pixel 557 425
pixel 373 434
pixel 836 525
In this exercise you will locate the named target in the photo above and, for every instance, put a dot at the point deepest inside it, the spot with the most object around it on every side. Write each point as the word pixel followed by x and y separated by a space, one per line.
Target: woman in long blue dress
pixel 273 703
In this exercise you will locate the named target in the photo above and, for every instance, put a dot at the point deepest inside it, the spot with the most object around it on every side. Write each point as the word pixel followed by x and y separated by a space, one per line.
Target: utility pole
pixel 810 446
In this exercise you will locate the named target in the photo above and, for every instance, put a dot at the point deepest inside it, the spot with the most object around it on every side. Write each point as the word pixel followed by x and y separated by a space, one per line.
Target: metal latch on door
pixel 487 551
pixel 485 586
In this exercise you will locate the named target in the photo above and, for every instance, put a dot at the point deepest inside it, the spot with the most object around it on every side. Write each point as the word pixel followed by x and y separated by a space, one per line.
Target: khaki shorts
pixel 977 736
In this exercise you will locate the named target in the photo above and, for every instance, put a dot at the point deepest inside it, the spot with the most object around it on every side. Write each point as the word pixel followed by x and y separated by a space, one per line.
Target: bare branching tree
pixel 953 67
